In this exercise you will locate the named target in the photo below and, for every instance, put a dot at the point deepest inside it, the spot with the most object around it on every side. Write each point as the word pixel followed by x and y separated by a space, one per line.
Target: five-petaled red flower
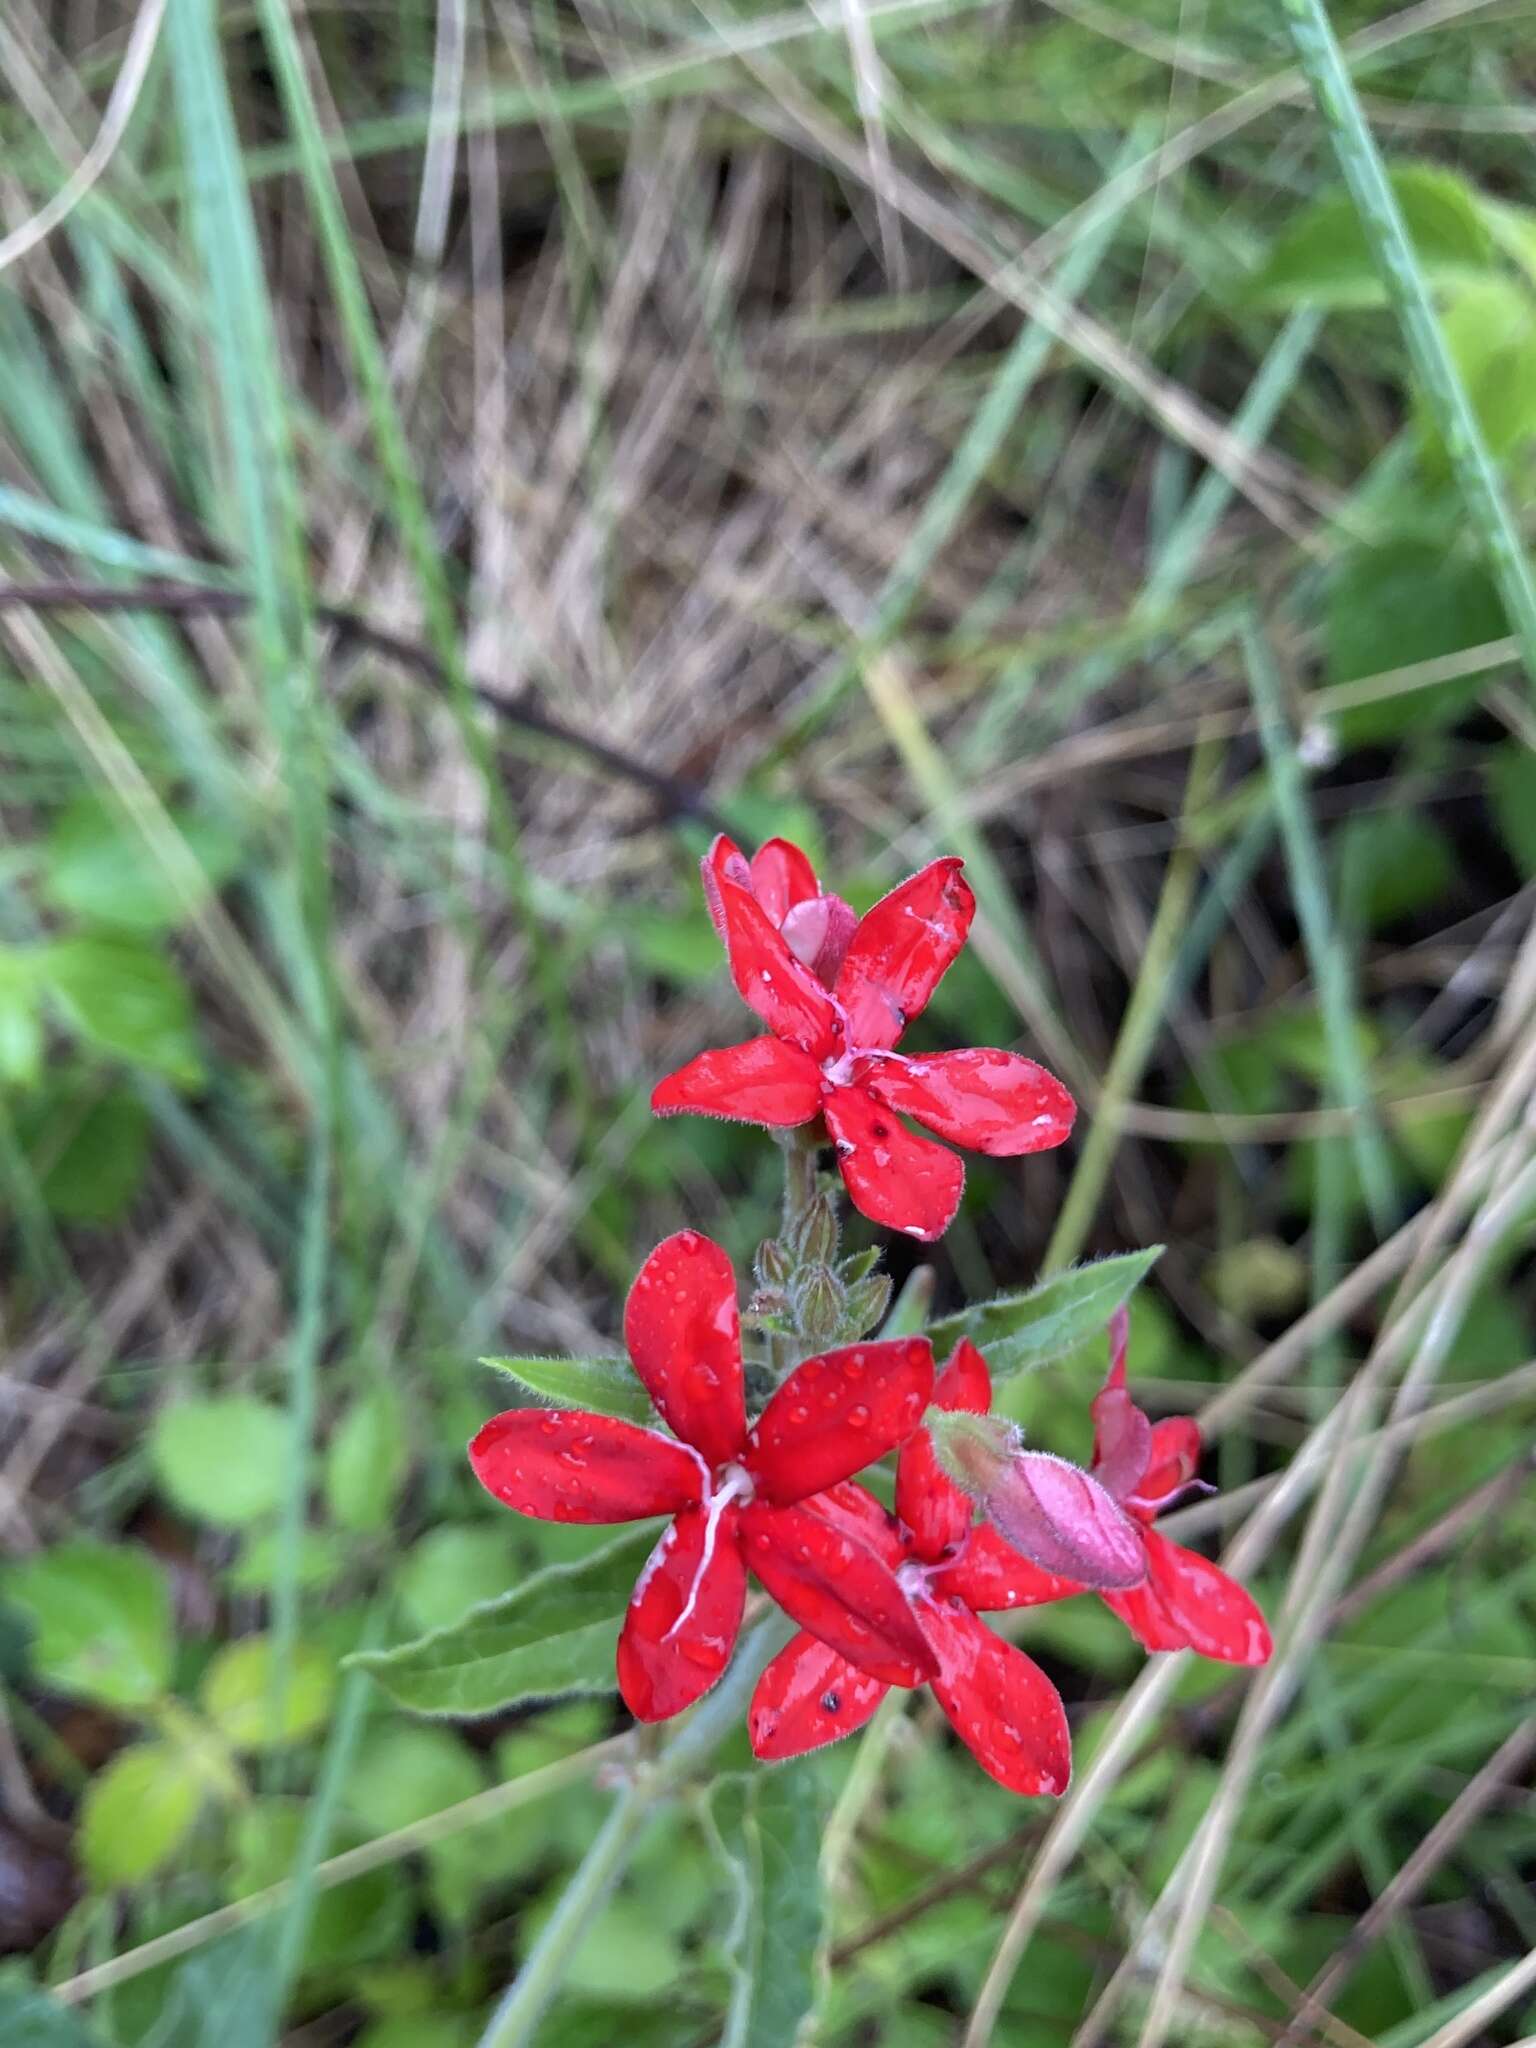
pixel 1185 1601
pixel 738 1496
pixel 836 995
pixel 1001 1704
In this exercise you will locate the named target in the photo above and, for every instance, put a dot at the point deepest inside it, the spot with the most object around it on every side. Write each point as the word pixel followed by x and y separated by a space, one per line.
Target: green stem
pixel 802 1151
pixel 1445 394
pixel 516 2020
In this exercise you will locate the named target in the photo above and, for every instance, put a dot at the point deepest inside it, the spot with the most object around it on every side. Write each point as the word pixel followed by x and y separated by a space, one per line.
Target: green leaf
pixel 404 1774
pixel 102 1614
pixel 451 1569
pixel 32 2019
pixel 89 1151
pixel 126 1000
pixel 352 1922
pixel 1391 863
pixel 1326 258
pixel 1489 325
pixel 322 1560
pixel 1018 1332
pixel 137 1811
pixel 1406 601
pixel 770 1834
pixel 21 1023
pixel 223 1460
pixel 96 864
pixel 1512 793
pixel 552 1635
pixel 366 1461
pixel 239 1695
pixel 607 1386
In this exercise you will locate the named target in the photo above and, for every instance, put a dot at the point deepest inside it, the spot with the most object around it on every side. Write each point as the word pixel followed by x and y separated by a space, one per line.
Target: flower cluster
pixel 881 1596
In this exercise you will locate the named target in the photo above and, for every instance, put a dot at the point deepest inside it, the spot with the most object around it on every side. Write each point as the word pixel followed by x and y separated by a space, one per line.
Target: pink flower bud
pixel 1061 1519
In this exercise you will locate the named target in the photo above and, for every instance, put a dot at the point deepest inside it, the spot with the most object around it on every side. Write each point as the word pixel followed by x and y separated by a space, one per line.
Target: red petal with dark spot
pixel 784 992
pixel 900 952
pixel 836 1587
pixel 999 1702
pixel 994 1102
pixel 684 1617
pixel 781 878
pixel 836 1414
pixel 934 1509
pixel 1188 1603
pixel 894 1178
pixel 809 1696
pixel 762 1081
pixel 683 1330
pixel 990 1575
pixel 564 1465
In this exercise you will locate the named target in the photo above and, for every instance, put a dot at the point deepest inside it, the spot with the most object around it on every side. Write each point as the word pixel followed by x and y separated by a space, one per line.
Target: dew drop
pixel 858 1417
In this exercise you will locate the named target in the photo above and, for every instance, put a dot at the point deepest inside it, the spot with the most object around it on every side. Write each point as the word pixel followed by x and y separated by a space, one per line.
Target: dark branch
pixel 674 796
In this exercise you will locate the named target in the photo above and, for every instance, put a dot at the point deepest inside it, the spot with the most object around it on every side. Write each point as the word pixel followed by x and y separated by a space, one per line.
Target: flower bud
pixel 866 1303
pixel 816 1234
pixel 1050 1511
pixel 818 1302
pixel 773 1263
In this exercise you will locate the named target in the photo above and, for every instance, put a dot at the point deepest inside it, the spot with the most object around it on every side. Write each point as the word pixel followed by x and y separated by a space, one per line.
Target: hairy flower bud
pixel 816 1234
pixel 818 1302
pixel 866 1303
pixel 773 1263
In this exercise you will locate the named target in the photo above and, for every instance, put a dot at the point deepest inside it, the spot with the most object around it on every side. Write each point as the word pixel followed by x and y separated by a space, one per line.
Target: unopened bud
pixel 816 1236
pixel 865 1306
pixel 818 1303
pixel 773 1263
pixel 859 1266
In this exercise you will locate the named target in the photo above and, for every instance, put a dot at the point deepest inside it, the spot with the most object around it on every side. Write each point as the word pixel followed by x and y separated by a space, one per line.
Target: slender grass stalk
pixel 1322 62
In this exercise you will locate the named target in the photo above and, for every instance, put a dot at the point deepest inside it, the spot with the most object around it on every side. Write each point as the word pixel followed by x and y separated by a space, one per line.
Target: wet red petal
pixel 564 1465
pixel 762 1081
pixel 900 951
pixel 996 1102
pixel 1188 1603
pixel 999 1702
pixel 781 878
pixel 1062 1519
pixel 852 1507
pixel 989 1575
pixel 684 1617
pixel 934 1509
pixel 724 862
pixel 1173 1459
pixel 683 1330
pixel 837 1413
pixel 836 1587
pixel 1122 1441
pixel 784 992
pixel 809 1696
pixel 904 1182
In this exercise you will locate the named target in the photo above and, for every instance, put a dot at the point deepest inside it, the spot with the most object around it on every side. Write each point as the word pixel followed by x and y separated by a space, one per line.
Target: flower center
pixel 735 1482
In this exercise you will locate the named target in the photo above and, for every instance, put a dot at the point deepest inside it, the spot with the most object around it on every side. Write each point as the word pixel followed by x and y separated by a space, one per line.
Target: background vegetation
pixel 498 442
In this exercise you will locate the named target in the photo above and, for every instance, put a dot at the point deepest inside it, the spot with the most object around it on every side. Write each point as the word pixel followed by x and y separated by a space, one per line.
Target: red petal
pixel 683 1330
pixel 781 878
pixel 989 1574
pixel 999 1702
pixel 837 1588
pixel 927 1500
pixel 1062 1519
pixel 899 954
pixel 905 1182
pixel 988 1101
pixel 1122 1441
pixel 564 1465
pixel 1172 1461
pixel 724 862
pixel 809 1696
pixel 684 1617
pixel 769 979
pixel 837 1413
pixel 852 1507
pixel 1188 1603
pixel 762 1081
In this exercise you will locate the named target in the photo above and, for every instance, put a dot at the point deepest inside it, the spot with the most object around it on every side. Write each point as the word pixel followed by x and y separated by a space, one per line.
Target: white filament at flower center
pixel 737 1486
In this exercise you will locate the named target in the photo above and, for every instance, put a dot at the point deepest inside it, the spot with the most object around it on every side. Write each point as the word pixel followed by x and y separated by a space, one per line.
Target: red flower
pixel 1001 1705
pixel 836 997
pixel 734 1493
pixel 1185 1602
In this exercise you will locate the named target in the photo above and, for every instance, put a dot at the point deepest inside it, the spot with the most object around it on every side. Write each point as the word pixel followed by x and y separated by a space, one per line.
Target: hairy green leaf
pixel 770 1837
pixel 607 1386
pixel 1018 1332
pixel 550 1636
